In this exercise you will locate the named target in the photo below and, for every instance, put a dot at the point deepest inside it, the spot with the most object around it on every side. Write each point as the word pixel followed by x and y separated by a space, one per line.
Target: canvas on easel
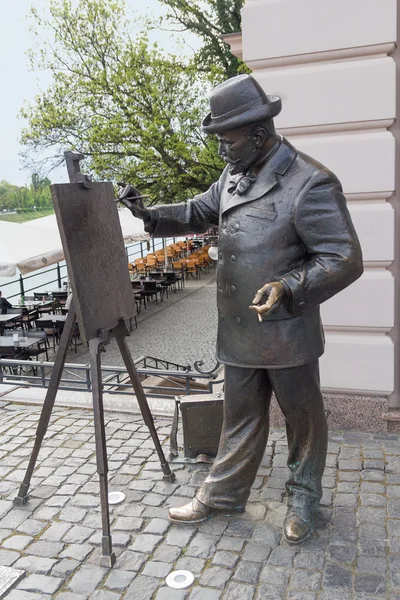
pixel 103 303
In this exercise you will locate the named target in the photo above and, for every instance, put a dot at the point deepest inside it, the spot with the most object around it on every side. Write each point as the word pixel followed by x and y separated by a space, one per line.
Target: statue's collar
pixel 266 180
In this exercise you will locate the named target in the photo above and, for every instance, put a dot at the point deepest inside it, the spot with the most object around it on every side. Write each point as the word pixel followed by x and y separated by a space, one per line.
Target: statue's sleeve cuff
pixel 151 222
pixel 293 294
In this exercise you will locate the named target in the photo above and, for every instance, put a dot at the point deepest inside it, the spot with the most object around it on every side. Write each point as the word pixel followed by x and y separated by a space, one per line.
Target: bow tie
pixel 240 184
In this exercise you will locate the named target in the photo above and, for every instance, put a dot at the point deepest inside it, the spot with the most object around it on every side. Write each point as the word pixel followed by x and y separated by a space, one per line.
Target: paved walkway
pixel 181 329
pixel 55 538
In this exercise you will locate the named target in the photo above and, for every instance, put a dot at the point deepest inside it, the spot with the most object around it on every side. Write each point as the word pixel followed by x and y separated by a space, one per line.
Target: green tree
pixel 210 19
pixel 133 112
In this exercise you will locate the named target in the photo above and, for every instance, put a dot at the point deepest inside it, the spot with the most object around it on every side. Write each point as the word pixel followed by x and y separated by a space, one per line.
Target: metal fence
pixel 176 380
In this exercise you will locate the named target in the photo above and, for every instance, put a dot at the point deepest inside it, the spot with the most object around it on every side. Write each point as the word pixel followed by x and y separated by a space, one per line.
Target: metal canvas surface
pixel 95 255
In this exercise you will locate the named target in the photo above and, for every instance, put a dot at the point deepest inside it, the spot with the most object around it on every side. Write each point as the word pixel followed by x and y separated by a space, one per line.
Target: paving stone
pixel 180 535
pixel 213 527
pixel 119 579
pixel 281 557
pixel 167 553
pixel 166 593
pixel 146 543
pixel 87 579
pixel 274 577
pixel 72 514
pixel 47 549
pixel 157 526
pixel 270 592
pixel 55 532
pixel 374 565
pixel 70 596
pixel 142 587
pixel 239 591
pixel 104 595
pixel 292 595
pixel 305 580
pixel 248 572
pixel 130 561
pixel 225 559
pixel 40 584
pixel 234 544
pixel 216 577
pixel 8 557
pixel 372 547
pixel 371 584
pixel 21 595
pixel 202 593
pixel 240 528
pixel 202 546
pixel 256 552
pixel 337 577
pixel 76 551
pixel 188 563
pixel 343 554
pixel 156 569
pixel 265 535
pixel 35 564
pixel 65 567
pixel 17 542
pixel 77 534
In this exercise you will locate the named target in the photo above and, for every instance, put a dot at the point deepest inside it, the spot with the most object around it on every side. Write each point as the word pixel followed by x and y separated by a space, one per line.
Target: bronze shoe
pixel 296 529
pixel 193 512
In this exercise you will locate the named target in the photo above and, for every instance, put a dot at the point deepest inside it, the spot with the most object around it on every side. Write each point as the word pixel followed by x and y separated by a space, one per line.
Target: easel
pixel 96 337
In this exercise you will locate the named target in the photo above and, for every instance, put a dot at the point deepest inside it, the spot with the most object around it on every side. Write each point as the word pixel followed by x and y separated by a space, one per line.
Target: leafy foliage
pixel 210 19
pixel 26 198
pixel 133 112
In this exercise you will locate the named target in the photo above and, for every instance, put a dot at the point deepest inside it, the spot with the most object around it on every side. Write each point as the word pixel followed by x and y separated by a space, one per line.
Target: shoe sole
pixel 293 543
pixel 191 522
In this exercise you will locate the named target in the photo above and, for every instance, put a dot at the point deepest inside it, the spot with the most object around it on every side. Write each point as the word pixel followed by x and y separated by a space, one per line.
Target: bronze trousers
pixel 245 433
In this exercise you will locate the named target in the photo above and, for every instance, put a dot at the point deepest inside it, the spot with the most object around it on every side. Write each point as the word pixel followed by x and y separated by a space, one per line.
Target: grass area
pixel 26 216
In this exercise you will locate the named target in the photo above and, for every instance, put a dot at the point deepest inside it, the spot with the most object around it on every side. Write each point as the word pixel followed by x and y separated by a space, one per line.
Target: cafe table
pixel 53 318
pixel 23 342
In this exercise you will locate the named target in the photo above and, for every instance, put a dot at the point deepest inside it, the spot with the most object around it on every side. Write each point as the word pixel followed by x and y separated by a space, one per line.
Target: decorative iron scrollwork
pixel 200 363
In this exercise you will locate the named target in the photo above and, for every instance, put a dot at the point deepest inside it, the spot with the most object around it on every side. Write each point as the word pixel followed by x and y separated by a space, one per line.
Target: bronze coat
pixel 292 225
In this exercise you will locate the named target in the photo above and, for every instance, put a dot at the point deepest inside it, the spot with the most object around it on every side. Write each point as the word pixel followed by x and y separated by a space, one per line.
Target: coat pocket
pixel 262 213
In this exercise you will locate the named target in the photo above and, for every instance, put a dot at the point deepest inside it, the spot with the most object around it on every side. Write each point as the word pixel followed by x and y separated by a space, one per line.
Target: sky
pixel 19 84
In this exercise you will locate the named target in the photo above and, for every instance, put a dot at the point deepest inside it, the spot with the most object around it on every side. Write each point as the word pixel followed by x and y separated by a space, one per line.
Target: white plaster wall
pixel 331 63
pixel 330 93
pixel 281 28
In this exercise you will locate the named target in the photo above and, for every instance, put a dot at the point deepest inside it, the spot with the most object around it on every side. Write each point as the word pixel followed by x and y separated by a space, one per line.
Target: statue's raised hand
pixel 133 199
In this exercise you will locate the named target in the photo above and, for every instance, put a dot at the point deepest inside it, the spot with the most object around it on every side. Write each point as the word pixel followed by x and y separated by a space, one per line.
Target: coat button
pixel 233 289
pixel 237 227
pixel 233 258
pixel 237 321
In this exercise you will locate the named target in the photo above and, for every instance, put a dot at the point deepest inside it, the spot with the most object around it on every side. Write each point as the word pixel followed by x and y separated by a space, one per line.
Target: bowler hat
pixel 237 102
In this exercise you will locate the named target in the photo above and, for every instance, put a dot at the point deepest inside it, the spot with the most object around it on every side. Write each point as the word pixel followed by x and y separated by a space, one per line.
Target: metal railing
pixel 115 380
pixel 133 251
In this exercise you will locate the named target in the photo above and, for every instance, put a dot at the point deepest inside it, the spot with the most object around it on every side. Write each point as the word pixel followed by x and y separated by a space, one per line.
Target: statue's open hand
pixel 133 199
pixel 274 293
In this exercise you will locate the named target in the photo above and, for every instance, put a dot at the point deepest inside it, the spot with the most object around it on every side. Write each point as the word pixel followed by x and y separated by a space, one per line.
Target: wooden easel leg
pixel 108 557
pixel 142 400
pixel 48 404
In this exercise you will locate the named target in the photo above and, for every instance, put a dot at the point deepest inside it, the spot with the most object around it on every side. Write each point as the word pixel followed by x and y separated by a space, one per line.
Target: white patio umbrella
pixel 27 248
pixel 132 228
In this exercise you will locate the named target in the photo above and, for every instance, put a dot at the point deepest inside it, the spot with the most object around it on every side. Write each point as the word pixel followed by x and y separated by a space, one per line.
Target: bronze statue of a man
pixel 286 244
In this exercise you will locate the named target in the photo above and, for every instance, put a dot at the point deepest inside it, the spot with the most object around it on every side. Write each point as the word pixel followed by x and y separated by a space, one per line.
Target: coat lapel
pixel 266 179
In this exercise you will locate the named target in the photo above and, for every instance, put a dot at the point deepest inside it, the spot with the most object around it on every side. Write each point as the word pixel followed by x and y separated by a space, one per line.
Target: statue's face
pixel 238 148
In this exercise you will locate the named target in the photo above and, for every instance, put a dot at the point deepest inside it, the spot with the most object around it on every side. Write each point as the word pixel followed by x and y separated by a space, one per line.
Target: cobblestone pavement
pixel 181 329
pixel 55 538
